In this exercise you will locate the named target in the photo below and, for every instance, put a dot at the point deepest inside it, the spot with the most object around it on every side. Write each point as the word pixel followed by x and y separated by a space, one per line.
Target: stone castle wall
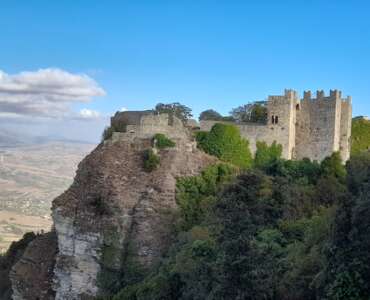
pixel 311 127
pixel 147 125
pixel 323 126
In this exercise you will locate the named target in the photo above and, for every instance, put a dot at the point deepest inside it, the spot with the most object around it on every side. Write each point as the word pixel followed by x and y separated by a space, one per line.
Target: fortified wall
pixel 308 127
pixel 144 124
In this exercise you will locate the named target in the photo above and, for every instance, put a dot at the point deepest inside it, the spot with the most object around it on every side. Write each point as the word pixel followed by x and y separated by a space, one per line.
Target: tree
pixel 174 109
pixel 266 155
pixel 348 271
pixel 210 114
pixel 333 166
pixel 225 142
pixel 252 112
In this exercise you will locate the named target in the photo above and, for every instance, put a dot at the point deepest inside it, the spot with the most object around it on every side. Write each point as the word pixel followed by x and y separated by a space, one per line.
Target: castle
pixel 306 128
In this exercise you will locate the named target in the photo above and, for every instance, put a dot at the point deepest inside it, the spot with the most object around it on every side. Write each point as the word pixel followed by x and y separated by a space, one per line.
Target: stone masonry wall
pixel 312 128
pixel 346 127
pixel 151 124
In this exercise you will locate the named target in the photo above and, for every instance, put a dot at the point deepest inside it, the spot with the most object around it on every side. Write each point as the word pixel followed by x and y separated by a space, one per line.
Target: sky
pixel 67 66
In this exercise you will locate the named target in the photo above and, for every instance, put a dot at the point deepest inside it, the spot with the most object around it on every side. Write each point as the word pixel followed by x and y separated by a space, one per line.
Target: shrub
pixel 225 142
pixel 360 135
pixel 161 141
pixel 108 131
pixel 210 114
pixel 265 155
pixel 333 166
pixel 195 194
pixel 151 160
pixel 200 137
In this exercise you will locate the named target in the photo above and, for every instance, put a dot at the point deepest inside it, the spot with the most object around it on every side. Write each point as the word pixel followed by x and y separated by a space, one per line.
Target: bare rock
pixel 114 209
pixel 32 275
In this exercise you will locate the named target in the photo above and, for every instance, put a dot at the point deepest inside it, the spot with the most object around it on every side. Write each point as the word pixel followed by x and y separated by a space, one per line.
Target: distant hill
pixel 360 135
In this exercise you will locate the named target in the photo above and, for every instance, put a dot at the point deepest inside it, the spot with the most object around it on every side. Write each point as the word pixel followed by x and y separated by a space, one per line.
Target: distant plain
pixel 31 176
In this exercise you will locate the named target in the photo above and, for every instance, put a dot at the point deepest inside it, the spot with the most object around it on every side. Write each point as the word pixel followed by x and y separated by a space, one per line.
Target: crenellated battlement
pixel 308 127
pixel 311 127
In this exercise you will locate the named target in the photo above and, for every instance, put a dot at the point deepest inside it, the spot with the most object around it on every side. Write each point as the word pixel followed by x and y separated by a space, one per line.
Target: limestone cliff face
pixel 115 210
pixel 32 275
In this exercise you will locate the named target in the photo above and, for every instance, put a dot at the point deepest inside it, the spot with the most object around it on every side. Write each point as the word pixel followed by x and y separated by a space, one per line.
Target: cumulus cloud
pixel 46 93
pixel 89 114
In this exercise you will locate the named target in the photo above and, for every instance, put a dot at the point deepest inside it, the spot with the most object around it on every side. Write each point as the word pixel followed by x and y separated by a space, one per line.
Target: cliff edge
pixel 114 214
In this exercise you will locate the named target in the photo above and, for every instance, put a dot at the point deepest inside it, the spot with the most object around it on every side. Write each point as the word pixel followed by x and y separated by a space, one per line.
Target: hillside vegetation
pixel 269 229
pixel 360 135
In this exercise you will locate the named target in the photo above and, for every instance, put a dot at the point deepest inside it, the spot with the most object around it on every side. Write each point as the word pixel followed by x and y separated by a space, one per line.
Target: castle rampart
pixel 310 127
pixel 306 128
pixel 144 124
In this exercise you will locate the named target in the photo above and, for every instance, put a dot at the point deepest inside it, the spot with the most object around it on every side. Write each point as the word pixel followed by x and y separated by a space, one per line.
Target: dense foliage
pixel 266 155
pixel 161 141
pixel 225 142
pixel 282 230
pixel 255 112
pixel 108 131
pixel 360 135
pixel 174 109
pixel 210 114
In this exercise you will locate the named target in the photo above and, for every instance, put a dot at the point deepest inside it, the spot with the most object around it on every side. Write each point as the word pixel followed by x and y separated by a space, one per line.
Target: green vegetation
pixel 161 141
pixel 108 131
pixel 151 160
pixel 268 233
pixel 255 112
pixel 174 109
pixel 224 141
pixel 266 155
pixel 197 193
pixel 210 114
pixel 360 135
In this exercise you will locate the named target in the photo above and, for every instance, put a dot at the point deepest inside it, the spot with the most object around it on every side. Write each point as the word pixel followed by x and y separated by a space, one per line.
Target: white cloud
pixel 89 114
pixel 46 93
pixel 123 109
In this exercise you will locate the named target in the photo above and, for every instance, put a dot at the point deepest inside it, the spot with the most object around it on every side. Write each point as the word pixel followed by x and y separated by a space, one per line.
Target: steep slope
pixel 115 213
pixel 32 275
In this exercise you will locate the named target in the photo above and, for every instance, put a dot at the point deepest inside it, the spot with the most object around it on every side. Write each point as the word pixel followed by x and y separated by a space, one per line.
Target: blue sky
pixel 205 54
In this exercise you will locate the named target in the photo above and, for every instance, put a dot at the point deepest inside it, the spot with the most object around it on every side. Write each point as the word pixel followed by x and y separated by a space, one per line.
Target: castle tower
pixel 323 126
pixel 281 121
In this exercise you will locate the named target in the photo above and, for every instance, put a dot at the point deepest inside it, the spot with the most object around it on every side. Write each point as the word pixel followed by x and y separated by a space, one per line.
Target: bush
pixel 108 131
pixel 210 114
pixel 266 155
pixel 161 141
pixel 360 135
pixel 151 160
pixel 225 142
pixel 195 194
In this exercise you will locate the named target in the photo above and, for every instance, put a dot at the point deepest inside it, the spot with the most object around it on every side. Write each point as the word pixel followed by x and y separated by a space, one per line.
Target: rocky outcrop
pixel 31 276
pixel 115 213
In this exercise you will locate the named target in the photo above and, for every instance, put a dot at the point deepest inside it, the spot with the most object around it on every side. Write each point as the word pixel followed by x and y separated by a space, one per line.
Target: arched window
pixel 297 107
pixel 276 119
pixel 273 119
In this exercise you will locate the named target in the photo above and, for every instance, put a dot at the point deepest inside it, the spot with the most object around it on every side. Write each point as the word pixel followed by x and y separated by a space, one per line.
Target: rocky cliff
pixel 114 214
